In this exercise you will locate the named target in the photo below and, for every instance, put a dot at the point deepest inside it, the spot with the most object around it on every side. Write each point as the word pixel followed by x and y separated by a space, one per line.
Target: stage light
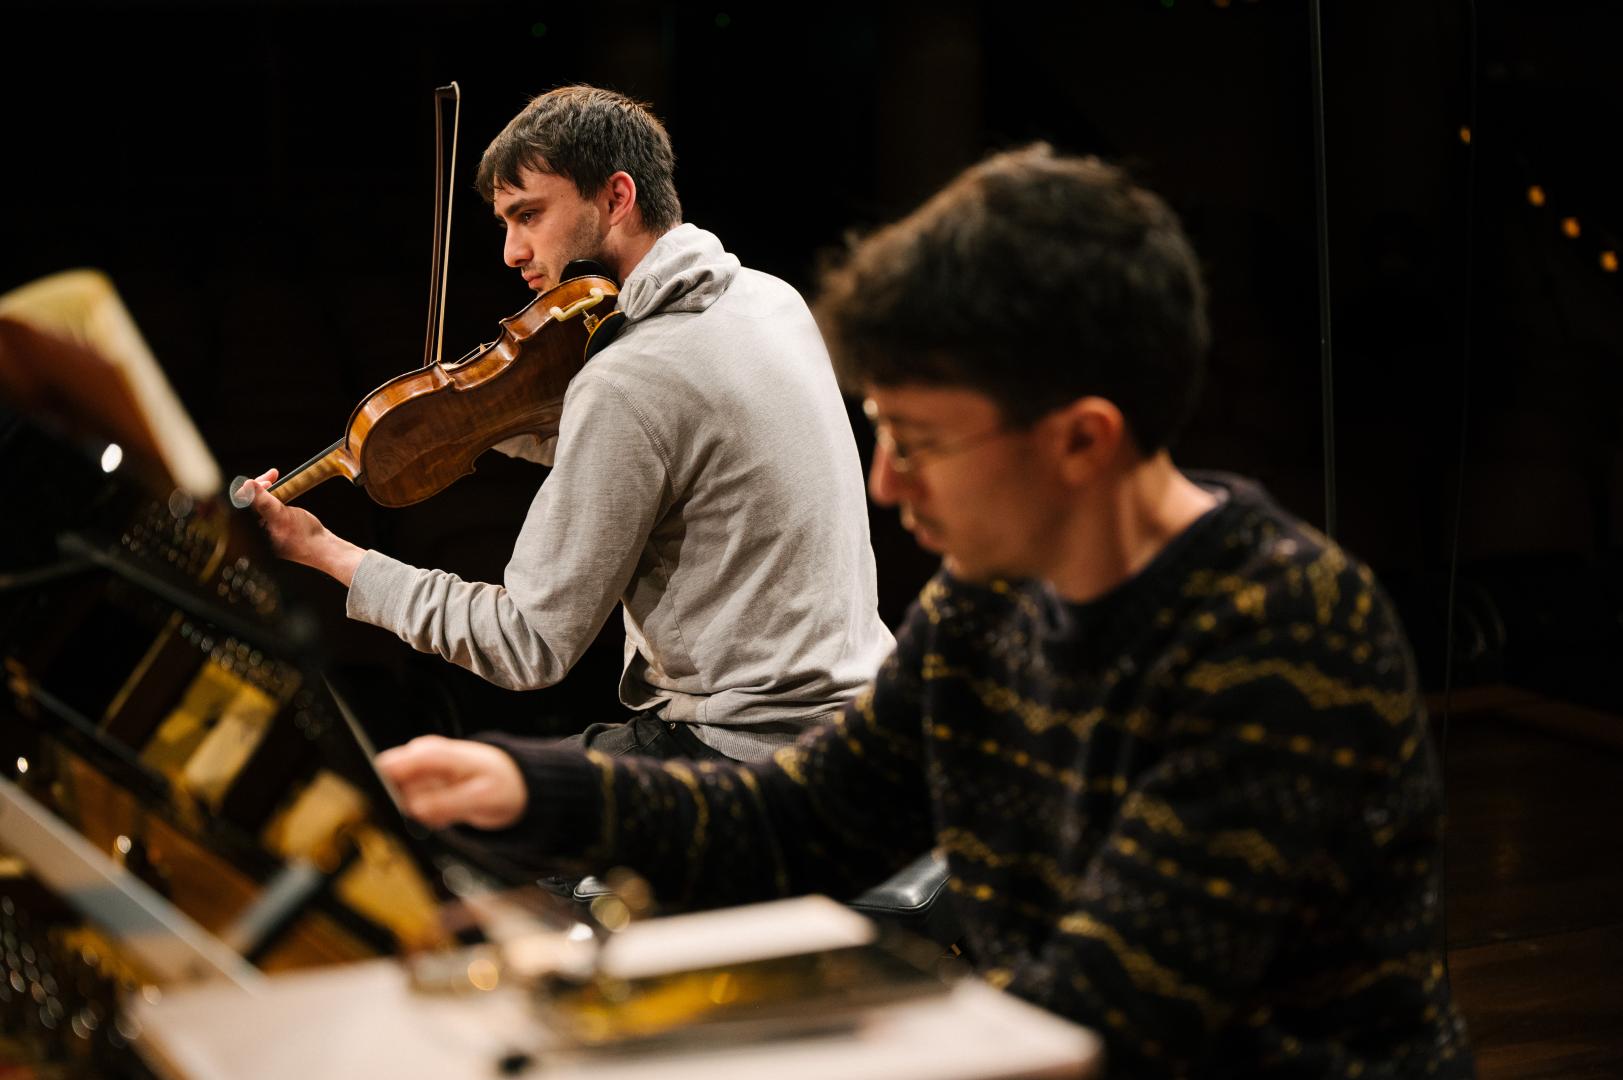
pixel 1535 195
pixel 1569 226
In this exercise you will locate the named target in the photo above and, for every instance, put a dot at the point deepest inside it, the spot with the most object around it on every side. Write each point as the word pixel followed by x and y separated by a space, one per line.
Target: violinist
pixel 704 473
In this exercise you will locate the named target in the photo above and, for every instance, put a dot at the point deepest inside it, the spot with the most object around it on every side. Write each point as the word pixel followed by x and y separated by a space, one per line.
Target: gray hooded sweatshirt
pixel 705 475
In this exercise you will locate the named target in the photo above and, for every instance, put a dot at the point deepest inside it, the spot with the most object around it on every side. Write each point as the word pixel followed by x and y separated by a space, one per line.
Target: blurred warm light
pixel 611 913
pixel 724 989
pixel 1465 135
pixel 1608 261
pixel 1569 225
pixel 1535 195
pixel 484 974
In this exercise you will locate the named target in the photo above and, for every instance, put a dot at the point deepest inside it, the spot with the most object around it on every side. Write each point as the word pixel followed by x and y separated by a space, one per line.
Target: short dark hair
pixel 1034 279
pixel 587 134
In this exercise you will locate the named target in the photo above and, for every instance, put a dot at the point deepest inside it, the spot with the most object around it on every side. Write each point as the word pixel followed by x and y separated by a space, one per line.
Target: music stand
pixel 70 350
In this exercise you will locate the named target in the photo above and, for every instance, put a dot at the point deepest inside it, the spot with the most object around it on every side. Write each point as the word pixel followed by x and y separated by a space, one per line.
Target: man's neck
pixel 1122 524
pixel 624 259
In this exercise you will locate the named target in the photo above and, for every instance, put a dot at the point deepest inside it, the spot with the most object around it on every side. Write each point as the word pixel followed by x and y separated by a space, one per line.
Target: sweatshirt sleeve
pixel 577 551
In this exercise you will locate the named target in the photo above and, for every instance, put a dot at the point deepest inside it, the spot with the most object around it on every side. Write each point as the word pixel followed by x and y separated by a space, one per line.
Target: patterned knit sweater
pixel 1199 815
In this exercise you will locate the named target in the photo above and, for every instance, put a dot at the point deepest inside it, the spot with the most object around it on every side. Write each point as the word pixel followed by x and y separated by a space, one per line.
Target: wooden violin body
pixel 419 432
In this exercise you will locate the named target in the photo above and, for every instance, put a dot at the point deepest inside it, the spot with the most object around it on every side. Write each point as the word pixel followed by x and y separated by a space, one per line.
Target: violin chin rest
pixel 607 328
pixel 585 268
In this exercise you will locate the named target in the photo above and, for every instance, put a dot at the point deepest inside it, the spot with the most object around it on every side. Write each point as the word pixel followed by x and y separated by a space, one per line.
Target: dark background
pixel 257 179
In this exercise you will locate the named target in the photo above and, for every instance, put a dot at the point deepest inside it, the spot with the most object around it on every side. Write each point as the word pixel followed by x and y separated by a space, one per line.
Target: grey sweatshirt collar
pixel 686 270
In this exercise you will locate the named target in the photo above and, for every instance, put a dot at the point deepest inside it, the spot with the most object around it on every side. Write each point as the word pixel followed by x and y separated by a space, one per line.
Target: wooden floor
pixel 1535 884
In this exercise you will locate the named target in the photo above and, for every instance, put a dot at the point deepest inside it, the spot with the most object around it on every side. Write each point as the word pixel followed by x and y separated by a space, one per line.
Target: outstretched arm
pixel 836 812
pixel 575 555
pixel 298 535
pixel 444 782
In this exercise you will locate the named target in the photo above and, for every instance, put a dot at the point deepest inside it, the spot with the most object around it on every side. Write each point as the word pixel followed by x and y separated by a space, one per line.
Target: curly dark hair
pixel 1034 279
pixel 587 134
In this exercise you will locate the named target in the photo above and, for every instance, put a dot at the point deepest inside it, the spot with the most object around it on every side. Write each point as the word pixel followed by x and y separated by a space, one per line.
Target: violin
pixel 418 433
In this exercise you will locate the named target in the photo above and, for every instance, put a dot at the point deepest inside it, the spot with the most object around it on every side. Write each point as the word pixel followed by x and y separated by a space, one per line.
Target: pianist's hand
pixel 298 535
pixel 455 781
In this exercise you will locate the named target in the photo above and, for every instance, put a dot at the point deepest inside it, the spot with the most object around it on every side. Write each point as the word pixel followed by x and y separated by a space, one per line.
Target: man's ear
pixel 620 198
pixel 1088 434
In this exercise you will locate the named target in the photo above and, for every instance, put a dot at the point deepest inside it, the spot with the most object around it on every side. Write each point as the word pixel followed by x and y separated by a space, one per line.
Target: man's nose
pixel 515 251
pixel 884 482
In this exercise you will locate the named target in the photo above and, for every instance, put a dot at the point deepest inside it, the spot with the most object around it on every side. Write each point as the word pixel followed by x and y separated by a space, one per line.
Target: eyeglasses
pixel 905 459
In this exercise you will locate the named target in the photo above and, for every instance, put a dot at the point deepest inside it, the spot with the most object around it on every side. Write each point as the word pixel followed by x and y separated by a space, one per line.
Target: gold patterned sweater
pixel 1200 814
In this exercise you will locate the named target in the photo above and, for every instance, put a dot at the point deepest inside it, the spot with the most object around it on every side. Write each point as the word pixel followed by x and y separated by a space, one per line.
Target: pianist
pixel 1168 735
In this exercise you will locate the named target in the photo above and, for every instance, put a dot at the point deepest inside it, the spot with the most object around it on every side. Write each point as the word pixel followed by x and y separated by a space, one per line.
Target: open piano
pixel 165 716
pixel 186 803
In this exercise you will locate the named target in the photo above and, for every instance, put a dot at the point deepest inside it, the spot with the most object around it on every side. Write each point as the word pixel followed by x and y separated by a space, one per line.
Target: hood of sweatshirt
pixel 686 270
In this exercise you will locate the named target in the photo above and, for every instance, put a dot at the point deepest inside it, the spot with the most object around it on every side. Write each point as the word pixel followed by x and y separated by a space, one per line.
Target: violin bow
pixel 439 271
pixel 439 266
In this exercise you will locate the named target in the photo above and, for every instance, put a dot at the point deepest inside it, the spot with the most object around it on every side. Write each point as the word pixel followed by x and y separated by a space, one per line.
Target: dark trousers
pixel 645 735
pixel 642 735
